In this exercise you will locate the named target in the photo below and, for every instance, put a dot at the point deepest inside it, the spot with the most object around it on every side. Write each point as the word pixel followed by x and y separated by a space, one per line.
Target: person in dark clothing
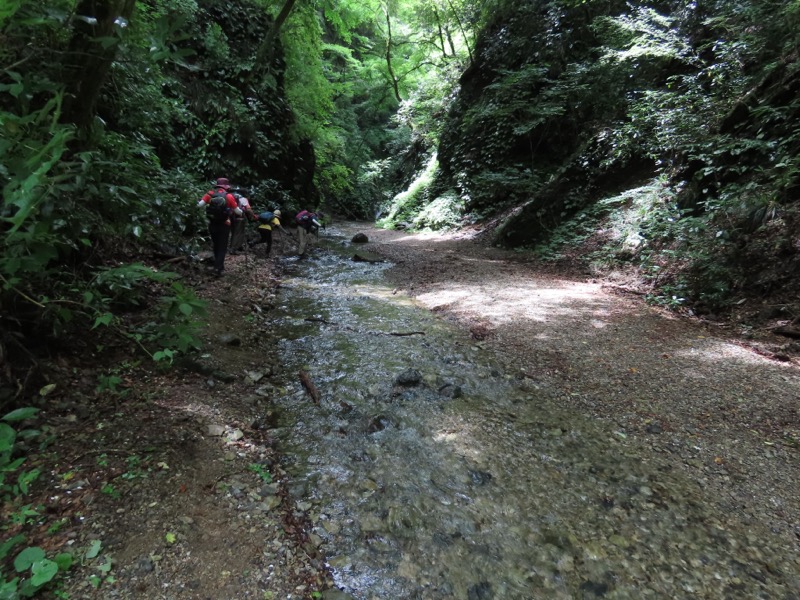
pixel 265 227
pixel 307 224
pixel 221 206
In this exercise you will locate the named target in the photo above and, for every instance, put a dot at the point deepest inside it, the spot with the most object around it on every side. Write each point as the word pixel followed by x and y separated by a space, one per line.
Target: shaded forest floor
pixel 175 481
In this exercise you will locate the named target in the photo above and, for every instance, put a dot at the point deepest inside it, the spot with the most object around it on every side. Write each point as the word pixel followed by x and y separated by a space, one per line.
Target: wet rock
pixel 194 366
pixel 480 591
pixel 144 566
pixel 360 238
pixel 230 339
pixel 593 589
pixel 654 427
pixel 480 477
pixel 450 390
pixel 409 377
pixel 254 376
pixel 406 396
pixel 216 430
pixel 269 504
pixel 367 257
pixel 442 539
pixel 223 376
pixel 271 489
pixel 378 423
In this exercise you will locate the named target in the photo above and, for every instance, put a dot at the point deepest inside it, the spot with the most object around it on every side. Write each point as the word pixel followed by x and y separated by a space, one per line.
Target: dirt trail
pixel 187 452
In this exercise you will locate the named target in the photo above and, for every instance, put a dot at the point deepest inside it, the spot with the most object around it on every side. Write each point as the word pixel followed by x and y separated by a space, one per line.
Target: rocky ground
pixel 169 485
pixel 722 399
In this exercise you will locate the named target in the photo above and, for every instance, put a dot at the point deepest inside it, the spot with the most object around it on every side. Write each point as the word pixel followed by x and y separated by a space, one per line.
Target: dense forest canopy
pixel 661 135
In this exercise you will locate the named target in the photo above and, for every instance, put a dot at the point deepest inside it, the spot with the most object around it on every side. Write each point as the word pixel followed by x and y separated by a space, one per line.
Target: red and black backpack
pixel 217 209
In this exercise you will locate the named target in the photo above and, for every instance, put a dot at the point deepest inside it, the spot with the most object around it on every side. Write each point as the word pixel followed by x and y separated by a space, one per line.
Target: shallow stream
pixel 430 472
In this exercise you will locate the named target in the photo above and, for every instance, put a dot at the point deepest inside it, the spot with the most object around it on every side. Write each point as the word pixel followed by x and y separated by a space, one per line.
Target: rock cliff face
pixel 529 128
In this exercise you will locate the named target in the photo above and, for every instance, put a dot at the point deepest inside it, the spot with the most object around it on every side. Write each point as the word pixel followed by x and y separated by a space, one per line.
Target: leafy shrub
pixel 406 204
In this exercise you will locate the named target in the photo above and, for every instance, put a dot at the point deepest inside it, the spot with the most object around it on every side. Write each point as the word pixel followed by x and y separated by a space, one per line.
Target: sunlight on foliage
pixel 406 204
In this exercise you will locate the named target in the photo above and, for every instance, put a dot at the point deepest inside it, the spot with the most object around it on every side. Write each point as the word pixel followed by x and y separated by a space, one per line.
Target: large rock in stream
pixel 409 377
pixel 362 256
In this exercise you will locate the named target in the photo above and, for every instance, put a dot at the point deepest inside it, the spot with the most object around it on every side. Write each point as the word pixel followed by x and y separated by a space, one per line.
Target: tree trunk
pixel 441 33
pixel 463 32
pixel 266 50
pixel 89 60
pixel 392 76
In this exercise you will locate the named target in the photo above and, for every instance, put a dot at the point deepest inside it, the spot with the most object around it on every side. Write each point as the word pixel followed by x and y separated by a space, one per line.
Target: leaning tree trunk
pixel 392 76
pixel 90 60
pixel 463 32
pixel 266 50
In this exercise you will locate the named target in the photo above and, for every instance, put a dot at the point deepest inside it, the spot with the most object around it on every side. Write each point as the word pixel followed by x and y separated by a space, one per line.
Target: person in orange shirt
pixel 220 206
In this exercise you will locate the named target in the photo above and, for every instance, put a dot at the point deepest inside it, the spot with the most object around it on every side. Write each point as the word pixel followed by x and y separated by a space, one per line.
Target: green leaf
pixel 43 571
pixel 6 546
pixel 8 589
pixel 171 538
pixel 21 413
pixel 26 559
pixel 94 549
pixel 25 479
pixel 105 567
pixel 47 389
pixel 7 438
pixel 64 560
pixel 104 319
pixel 186 309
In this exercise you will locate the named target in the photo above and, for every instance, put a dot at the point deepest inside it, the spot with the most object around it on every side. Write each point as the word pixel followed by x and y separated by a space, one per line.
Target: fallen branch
pixel 788 331
pixel 404 333
pixel 624 289
pixel 317 320
pixel 309 386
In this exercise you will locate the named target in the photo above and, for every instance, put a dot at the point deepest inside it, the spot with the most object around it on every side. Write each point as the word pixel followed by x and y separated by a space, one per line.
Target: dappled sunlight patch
pixel 718 351
pixel 507 303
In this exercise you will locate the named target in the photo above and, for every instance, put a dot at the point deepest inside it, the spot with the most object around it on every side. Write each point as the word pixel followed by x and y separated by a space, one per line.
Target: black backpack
pixel 217 209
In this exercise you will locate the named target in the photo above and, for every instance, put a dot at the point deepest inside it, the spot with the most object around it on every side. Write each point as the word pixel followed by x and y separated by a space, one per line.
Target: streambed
pixel 431 472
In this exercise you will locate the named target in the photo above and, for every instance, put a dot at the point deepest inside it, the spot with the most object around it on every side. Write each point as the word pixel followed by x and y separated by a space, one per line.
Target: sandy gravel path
pixel 727 414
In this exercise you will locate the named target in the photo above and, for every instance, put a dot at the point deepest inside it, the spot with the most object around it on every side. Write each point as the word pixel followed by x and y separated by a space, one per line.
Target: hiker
pixel 266 221
pixel 307 224
pixel 238 233
pixel 220 207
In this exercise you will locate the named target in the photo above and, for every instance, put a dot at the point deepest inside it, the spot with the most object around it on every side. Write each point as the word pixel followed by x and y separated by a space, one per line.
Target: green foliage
pixel 407 204
pixel 262 471
pixel 10 464
pixel 32 569
pixel 443 212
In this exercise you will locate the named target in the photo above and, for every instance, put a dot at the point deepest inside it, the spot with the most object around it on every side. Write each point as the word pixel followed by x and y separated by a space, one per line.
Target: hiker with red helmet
pixel 220 206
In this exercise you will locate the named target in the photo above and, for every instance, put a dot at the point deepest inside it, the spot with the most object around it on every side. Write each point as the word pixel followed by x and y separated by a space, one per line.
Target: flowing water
pixel 430 473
